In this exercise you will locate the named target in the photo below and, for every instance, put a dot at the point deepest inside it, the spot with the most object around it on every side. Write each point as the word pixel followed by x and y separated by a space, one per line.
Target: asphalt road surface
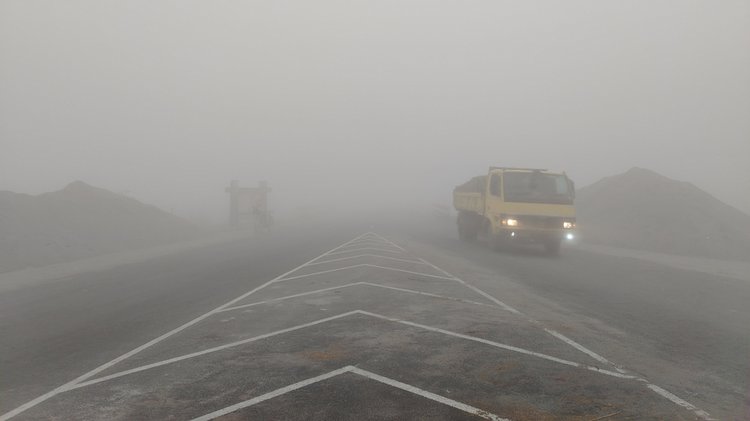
pixel 377 321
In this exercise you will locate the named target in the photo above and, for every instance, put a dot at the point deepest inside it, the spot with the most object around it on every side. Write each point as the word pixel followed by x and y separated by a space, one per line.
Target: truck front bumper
pixel 521 235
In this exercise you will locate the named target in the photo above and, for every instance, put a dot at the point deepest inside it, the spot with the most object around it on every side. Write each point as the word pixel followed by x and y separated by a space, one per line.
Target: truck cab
pixel 517 205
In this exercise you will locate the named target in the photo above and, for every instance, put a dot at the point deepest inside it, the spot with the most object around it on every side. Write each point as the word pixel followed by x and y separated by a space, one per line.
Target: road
pixel 369 321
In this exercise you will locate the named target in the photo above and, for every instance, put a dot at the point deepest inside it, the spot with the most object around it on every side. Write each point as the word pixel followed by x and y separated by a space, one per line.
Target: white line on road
pixel 555 334
pixel 473 288
pixel 582 348
pixel 409 271
pixel 502 346
pixel 79 381
pixel 412 291
pixel 302 294
pixel 388 241
pixel 322 272
pixel 453 277
pixel 271 395
pixel 339 316
pixel 505 306
pixel 374 237
pixel 317 291
pixel 370 243
pixel 679 401
pixel 429 395
pixel 418 262
pixel 662 392
pixel 129 354
pixel 211 350
pixel 291 278
pixel 364 373
pixel 358 249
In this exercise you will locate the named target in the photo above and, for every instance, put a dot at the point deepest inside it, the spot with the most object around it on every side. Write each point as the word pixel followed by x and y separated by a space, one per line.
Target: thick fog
pixel 338 103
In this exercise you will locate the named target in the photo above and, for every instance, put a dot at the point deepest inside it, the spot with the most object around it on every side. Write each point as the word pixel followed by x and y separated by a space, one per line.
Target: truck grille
pixel 540 222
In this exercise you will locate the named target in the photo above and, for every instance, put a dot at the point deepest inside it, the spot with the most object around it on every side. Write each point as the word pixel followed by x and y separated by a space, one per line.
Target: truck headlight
pixel 511 222
pixel 568 225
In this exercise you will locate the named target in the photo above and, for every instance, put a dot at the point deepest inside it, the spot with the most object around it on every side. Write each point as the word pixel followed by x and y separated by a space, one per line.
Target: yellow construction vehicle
pixel 517 205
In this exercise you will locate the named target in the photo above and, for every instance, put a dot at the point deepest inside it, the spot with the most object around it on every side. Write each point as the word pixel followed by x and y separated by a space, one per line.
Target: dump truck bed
pixel 468 202
pixel 469 196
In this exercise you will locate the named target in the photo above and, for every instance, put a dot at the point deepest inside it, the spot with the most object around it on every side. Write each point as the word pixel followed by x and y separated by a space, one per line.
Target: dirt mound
pixel 80 221
pixel 645 210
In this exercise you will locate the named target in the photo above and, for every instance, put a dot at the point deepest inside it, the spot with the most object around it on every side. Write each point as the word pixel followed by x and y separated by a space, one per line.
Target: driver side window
pixel 495 188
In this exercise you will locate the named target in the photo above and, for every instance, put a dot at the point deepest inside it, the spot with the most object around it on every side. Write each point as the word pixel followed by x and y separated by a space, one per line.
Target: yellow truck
pixel 517 205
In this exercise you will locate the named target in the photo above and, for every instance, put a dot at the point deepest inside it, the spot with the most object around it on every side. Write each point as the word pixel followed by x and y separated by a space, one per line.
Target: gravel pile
pixel 644 210
pixel 80 221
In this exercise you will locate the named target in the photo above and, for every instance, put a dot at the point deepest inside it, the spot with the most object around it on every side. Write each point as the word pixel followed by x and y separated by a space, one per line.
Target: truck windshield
pixel 536 187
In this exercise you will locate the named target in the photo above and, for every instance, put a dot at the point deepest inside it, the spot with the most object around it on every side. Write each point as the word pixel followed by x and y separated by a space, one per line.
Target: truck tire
pixel 496 242
pixel 552 247
pixel 466 227
pixel 462 235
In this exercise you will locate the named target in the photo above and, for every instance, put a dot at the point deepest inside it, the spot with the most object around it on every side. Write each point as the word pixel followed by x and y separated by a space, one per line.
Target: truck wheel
pixel 497 242
pixel 552 247
pixel 462 234
pixel 466 233
pixel 466 228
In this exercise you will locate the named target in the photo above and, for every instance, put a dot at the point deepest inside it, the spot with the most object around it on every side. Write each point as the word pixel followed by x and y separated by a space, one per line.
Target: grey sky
pixel 368 99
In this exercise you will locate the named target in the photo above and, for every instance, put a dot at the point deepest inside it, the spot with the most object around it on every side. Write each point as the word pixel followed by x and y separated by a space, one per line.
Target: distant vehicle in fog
pixel 517 205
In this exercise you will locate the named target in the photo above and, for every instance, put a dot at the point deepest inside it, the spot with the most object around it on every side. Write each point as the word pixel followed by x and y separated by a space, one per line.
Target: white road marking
pixel 271 395
pixel 583 349
pixel 369 234
pixel 354 370
pixel 89 374
pixel 210 350
pixel 679 401
pixel 353 240
pixel 339 316
pixel 451 276
pixel 429 395
pixel 317 291
pixel 473 288
pixel 489 297
pixel 555 334
pixel 662 392
pixel 412 291
pixel 79 381
pixel 364 249
pixel 302 294
pixel 291 278
pixel 409 271
pixel 500 345
pixel 418 262
pixel 322 272
pixel 388 241
pixel 370 243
